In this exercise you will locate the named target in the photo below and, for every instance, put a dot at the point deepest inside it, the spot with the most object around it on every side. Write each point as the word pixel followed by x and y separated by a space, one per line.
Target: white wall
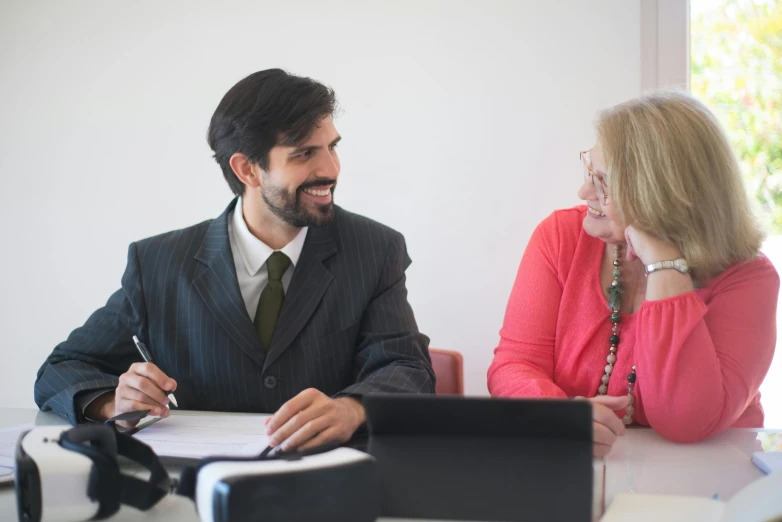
pixel 461 124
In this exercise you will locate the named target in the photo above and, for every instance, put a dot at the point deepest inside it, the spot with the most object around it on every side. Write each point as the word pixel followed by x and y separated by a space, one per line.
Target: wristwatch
pixel 677 264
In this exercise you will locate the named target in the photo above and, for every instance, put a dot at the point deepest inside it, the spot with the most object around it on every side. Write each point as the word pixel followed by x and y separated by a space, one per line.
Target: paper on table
pixel 8 439
pixel 653 508
pixel 198 436
pixel 756 502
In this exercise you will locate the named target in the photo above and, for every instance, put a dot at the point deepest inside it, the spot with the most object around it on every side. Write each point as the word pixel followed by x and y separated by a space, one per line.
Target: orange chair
pixel 449 371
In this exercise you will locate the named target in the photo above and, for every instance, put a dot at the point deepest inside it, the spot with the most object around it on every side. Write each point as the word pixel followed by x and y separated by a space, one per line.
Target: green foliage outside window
pixel 737 71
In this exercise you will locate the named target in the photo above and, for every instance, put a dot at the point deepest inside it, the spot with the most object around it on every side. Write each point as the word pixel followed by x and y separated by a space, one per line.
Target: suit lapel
pixel 309 283
pixel 219 287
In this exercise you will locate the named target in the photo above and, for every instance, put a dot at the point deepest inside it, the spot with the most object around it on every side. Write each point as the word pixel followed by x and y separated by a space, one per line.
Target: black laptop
pixel 442 457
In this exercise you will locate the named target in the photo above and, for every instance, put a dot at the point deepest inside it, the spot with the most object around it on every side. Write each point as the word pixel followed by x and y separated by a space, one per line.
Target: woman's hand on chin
pixel 648 248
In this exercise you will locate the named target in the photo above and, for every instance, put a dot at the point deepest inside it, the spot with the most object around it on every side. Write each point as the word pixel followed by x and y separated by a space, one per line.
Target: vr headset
pixel 73 474
pixel 328 485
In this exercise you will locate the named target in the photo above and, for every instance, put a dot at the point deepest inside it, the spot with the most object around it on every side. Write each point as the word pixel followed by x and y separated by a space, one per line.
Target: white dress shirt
pixel 250 255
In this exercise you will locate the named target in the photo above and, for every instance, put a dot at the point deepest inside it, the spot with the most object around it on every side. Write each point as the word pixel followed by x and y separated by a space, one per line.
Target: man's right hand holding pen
pixel 143 387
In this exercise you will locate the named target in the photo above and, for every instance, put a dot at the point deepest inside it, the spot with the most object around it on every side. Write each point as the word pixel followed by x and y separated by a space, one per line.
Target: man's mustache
pixel 317 183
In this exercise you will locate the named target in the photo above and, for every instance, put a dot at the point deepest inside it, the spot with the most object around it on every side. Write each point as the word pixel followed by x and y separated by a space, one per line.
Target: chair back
pixel 449 371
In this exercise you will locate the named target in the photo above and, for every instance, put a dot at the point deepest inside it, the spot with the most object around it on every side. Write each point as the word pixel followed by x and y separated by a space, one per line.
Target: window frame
pixel 665 44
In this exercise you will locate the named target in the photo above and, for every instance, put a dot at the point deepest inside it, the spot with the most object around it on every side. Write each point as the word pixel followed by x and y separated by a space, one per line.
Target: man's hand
pixel 143 387
pixel 312 419
pixel 606 426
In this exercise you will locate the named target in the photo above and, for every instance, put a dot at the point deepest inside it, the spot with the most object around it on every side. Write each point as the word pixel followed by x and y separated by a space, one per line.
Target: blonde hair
pixel 673 174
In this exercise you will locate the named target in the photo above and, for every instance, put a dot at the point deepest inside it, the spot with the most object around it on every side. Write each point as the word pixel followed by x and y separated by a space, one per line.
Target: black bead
pixel 616 317
pixel 614 339
pixel 631 378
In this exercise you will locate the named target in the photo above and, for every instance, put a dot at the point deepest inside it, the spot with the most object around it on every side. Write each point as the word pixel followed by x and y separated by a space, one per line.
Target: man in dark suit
pixel 285 303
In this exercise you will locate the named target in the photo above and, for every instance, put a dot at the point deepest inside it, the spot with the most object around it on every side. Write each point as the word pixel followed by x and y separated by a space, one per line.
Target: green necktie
pixel 270 303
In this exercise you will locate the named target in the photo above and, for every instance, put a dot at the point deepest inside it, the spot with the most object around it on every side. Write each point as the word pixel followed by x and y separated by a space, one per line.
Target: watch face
pixel 681 265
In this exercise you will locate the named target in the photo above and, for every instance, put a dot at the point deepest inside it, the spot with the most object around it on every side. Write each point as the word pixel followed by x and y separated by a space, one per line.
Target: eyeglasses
pixel 597 180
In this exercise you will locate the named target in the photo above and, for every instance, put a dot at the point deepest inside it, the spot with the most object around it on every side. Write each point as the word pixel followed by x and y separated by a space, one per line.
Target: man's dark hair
pixel 266 109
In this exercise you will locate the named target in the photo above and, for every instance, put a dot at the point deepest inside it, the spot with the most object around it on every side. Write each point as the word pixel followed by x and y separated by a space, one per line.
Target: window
pixel 736 69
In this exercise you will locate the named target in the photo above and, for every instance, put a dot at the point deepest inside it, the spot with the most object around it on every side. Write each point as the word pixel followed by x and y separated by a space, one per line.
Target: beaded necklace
pixel 615 305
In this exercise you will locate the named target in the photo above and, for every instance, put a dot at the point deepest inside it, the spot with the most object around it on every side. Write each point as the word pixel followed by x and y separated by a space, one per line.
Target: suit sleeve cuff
pixel 83 400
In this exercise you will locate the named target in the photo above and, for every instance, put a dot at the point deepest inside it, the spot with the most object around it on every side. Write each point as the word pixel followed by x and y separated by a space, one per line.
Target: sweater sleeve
pixel 523 363
pixel 699 366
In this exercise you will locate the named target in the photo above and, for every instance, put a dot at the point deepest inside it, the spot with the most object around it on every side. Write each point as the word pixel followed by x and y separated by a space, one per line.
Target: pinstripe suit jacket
pixel 346 327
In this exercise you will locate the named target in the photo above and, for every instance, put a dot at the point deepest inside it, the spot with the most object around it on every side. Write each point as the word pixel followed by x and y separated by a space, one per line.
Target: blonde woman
pixel 652 299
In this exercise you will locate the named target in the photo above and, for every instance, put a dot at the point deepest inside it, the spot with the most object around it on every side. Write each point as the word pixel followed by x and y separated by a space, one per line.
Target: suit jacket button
pixel 270 382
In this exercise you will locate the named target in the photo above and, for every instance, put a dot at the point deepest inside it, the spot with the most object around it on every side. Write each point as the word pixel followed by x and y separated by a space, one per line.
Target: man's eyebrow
pixel 303 148
pixel 307 148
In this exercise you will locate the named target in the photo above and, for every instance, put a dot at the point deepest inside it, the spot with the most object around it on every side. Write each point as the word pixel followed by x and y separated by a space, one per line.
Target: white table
pixel 644 462
pixel 641 462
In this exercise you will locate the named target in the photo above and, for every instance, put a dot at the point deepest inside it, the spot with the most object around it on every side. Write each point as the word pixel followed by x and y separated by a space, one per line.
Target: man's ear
pixel 247 172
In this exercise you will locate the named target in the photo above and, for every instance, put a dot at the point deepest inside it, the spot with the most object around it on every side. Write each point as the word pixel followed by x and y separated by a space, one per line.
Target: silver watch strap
pixel 677 264
pixel 659 265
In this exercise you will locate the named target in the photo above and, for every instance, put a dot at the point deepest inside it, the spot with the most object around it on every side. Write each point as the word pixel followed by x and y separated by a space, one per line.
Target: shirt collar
pixel 255 252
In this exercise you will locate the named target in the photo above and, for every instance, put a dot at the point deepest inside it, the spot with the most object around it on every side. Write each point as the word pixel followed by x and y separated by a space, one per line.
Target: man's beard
pixel 289 208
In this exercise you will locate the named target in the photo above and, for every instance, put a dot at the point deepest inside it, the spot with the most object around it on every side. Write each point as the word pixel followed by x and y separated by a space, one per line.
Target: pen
pixel 270 452
pixel 148 358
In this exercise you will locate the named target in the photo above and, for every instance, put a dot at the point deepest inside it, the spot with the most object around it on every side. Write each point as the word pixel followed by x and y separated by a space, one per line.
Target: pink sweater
pixel 700 357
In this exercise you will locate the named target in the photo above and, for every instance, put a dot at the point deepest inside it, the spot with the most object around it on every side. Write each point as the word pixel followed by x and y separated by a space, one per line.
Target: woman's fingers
pixel 606 426
pixel 610 401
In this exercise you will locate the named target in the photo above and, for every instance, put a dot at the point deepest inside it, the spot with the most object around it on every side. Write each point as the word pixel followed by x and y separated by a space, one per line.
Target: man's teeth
pixel 318 192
